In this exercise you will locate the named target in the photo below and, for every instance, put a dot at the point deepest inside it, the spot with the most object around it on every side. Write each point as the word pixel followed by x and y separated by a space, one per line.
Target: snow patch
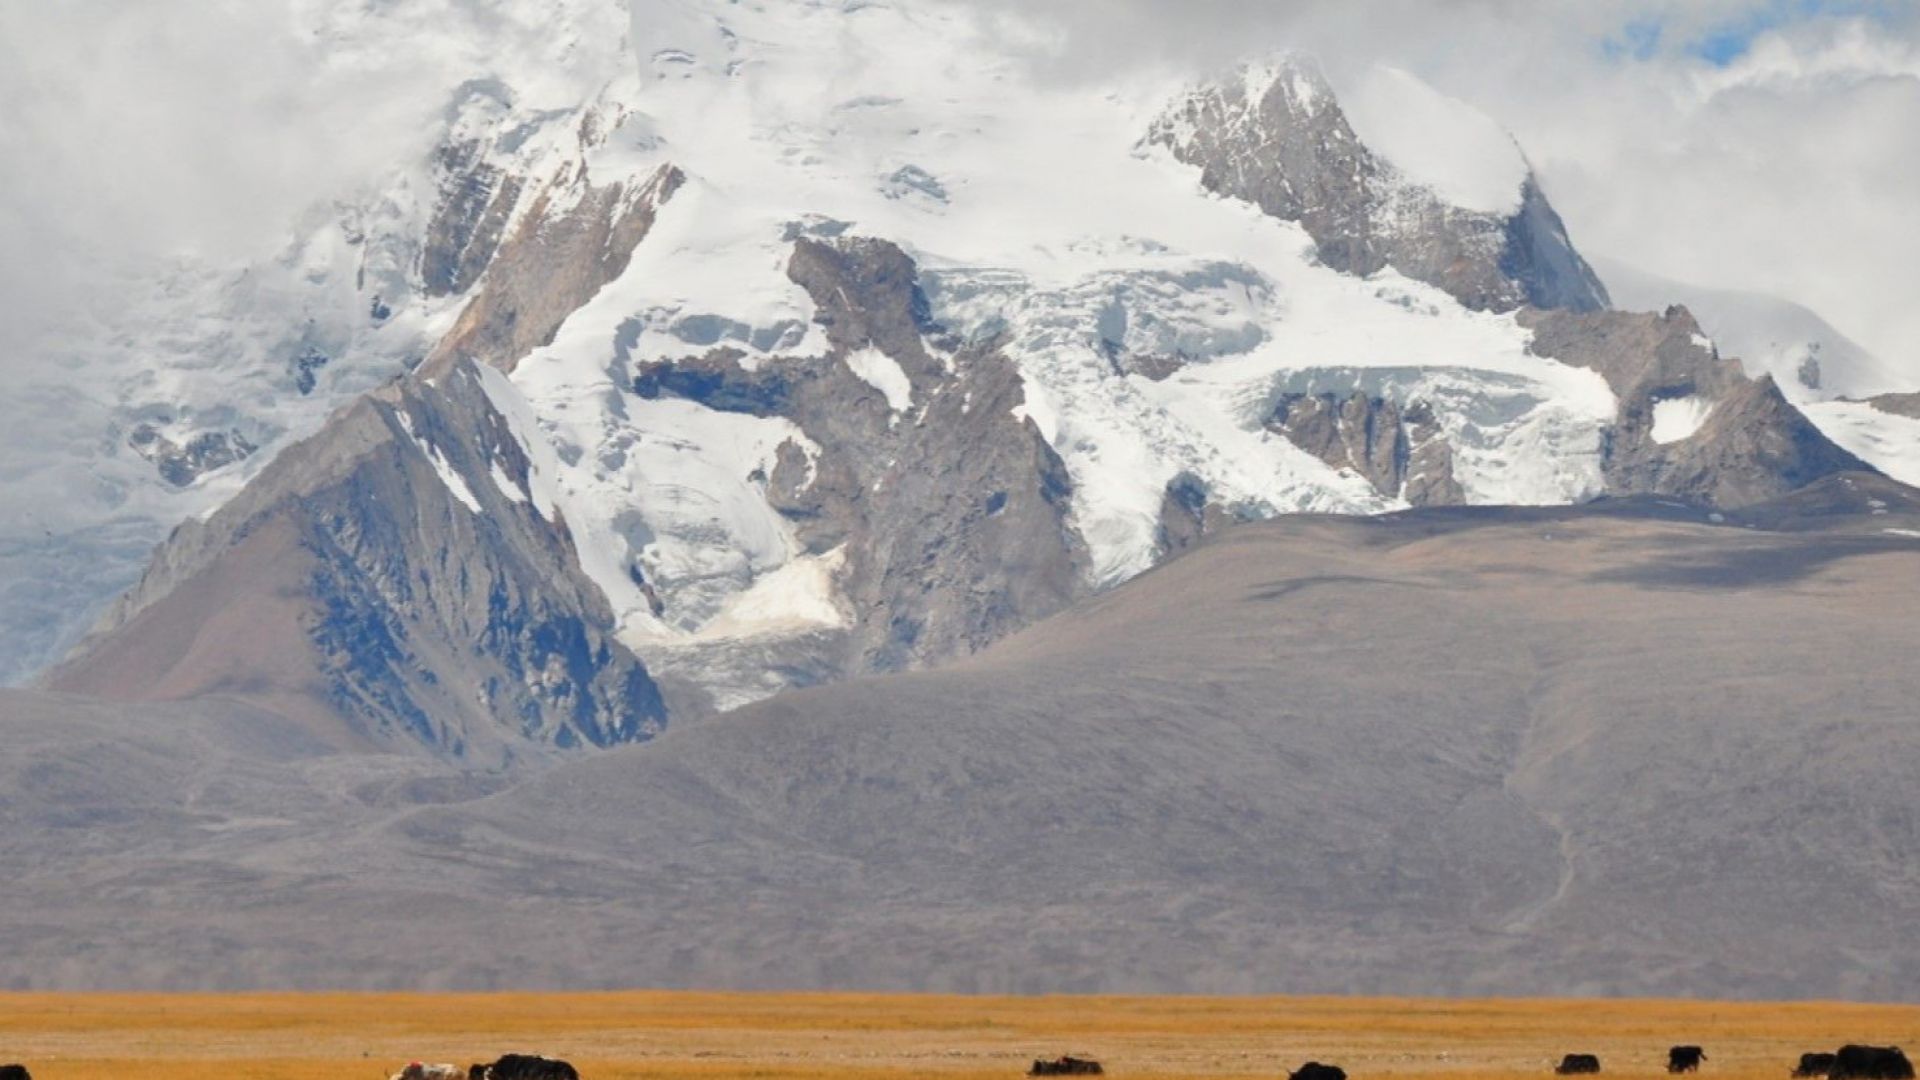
pixel 1437 141
pixel 1886 441
pixel 801 596
pixel 455 483
pixel 883 373
pixel 543 465
pixel 505 483
pixel 1677 419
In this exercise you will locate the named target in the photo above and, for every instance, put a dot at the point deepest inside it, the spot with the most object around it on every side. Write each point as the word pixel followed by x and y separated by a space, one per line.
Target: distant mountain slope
pixel 1612 749
pixel 401 578
pixel 1807 356
pixel 1856 399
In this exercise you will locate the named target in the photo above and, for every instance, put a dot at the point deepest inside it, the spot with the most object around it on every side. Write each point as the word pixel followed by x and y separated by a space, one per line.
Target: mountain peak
pixel 1396 175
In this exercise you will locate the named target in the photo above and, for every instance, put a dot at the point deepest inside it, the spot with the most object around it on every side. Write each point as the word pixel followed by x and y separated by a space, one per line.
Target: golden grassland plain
pixel 701 1036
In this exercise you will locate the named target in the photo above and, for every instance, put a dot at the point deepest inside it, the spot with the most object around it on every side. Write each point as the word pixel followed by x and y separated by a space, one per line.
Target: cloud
pixel 1748 144
pixel 139 128
pixel 1762 145
pixel 1786 170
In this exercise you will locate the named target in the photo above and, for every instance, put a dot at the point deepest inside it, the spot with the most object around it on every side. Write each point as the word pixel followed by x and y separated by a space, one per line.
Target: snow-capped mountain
pixel 187 377
pixel 739 370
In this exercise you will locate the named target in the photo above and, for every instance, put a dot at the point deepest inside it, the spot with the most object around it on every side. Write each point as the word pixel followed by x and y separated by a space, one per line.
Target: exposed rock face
pixel 1662 354
pixel 1755 446
pixel 954 514
pixel 1907 405
pixel 307 364
pixel 1736 440
pixel 180 464
pixel 476 201
pixel 1809 370
pixel 1285 145
pixel 388 581
pixel 574 239
pixel 1399 449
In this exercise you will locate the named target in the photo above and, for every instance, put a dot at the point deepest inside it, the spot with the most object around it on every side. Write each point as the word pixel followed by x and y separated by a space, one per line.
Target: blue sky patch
pixel 1721 45
pixel 1638 40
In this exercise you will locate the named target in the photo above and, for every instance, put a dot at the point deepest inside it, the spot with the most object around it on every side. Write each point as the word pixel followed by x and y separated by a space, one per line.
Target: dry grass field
pixel 670 1036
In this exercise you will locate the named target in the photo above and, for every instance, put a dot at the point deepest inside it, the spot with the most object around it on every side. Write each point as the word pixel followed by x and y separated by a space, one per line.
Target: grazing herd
pixel 509 1067
pixel 1066 1066
pixel 1868 1063
pixel 1847 1063
pixel 1685 1059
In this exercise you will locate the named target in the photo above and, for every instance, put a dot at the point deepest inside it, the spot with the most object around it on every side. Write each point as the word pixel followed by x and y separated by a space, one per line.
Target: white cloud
pixel 1789 171
pixel 135 127
pixel 140 127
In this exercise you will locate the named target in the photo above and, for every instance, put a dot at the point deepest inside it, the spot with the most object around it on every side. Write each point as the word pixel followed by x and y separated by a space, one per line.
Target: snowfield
pixel 1437 141
pixel 1884 440
pixel 1677 419
pixel 1037 220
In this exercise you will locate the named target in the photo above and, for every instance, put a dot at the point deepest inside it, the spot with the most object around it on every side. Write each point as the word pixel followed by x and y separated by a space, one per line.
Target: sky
pixel 1768 145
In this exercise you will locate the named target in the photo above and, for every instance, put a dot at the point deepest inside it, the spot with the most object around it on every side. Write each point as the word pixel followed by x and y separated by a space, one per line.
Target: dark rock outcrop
pixel 181 464
pixel 955 514
pixel 574 239
pixel 308 362
pixel 1751 445
pixel 1401 450
pixel 1907 405
pixel 1188 514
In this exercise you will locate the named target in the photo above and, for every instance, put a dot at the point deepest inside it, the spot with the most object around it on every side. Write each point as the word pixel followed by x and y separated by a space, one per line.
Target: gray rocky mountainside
pixel 1610 749
pixel 357 590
